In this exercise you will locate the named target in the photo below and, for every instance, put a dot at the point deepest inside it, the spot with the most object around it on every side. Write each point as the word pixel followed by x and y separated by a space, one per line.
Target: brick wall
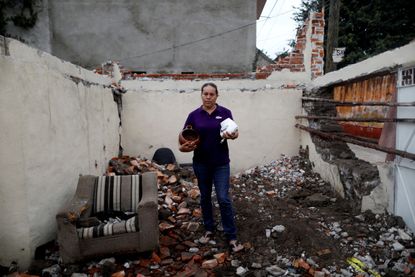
pixel 317 44
pixel 295 59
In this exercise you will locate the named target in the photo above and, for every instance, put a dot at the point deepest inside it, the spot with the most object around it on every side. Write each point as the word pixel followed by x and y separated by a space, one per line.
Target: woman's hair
pixel 212 85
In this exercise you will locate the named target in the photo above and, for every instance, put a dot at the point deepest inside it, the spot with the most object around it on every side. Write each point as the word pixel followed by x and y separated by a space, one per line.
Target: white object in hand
pixel 228 125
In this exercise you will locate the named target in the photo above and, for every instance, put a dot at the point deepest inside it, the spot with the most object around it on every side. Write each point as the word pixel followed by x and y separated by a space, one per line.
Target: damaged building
pixel 60 121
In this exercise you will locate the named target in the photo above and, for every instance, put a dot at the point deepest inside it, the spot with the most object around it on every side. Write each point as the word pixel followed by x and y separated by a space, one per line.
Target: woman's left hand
pixel 228 135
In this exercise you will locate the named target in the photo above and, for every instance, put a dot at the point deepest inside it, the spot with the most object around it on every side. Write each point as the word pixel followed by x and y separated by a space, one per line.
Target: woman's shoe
pixel 206 237
pixel 235 246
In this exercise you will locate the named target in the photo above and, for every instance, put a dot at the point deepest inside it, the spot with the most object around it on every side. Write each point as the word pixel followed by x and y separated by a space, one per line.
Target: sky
pixel 276 27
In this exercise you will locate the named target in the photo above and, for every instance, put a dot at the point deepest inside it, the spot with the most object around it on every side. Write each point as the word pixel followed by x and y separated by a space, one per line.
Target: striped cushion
pixel 117 193
pixel 109 229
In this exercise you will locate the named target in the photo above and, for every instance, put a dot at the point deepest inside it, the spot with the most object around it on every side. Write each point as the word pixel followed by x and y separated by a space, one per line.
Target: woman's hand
pixel 228 135
pixel 187 146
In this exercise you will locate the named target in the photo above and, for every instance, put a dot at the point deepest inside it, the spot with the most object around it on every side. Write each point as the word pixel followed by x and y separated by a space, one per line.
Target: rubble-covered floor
pixel 289 220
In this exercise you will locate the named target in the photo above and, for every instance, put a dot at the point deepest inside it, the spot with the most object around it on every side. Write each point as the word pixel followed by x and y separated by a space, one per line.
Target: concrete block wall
pixel 58 121
pixel 145 35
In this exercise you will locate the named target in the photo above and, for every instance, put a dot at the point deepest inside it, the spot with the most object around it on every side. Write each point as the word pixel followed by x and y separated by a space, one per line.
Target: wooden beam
pixel 370 140
pixel 356 119
pixel 354 103
pixel 355 141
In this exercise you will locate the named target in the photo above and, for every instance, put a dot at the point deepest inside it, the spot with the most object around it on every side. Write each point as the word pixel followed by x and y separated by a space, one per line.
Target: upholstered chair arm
pixel 149 189
pixel 147 211
pixel 67 238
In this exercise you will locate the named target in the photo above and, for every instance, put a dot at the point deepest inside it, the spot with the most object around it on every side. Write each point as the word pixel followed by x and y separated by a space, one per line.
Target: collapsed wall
pixel 369 182
pixel 308 53
pixel 358 177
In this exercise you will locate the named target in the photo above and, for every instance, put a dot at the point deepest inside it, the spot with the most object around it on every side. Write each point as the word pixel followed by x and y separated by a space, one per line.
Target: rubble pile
pixel 290 222
pixel 302 227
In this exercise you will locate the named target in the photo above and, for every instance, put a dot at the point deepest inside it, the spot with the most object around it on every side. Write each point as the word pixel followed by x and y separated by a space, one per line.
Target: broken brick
pixel 209 264
pixel 220 257
pixel 186 256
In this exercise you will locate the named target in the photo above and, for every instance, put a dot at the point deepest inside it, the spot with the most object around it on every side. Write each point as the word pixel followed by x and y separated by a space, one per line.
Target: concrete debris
pixel 278 228
pixel 397 246
pixel 275 270
pixel 289 220
pixel 241 271
pixel 53 271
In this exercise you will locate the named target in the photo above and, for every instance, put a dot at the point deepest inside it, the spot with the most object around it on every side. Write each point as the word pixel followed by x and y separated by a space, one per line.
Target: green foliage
pixel 281 55
pixel 368 27
pixel 20 12
pixel 305 8
pixel 292 43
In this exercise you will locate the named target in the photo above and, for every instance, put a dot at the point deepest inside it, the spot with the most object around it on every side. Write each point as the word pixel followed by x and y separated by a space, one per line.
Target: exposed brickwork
pixel 129 75
pixel 295 60
pixel 173 76
pixel 317 45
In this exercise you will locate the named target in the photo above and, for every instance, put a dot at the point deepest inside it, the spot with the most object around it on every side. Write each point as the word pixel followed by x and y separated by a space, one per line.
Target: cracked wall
pixel 361 177
pixel 58 121
pixel 357 177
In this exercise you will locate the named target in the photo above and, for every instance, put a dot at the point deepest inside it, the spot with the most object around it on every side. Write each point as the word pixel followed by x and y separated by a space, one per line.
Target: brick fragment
pixel 209 264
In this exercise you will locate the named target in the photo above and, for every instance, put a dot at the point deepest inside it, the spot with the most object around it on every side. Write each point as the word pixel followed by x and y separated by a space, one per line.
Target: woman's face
pixel 209 96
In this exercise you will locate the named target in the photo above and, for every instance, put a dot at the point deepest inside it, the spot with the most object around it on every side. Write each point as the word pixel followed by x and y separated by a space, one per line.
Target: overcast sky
pixel 274 32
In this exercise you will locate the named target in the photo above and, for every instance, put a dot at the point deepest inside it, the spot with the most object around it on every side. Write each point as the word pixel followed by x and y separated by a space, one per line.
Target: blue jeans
pixel 219 176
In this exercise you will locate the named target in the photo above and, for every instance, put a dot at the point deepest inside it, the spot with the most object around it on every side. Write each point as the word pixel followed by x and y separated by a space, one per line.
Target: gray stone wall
pixel 153 36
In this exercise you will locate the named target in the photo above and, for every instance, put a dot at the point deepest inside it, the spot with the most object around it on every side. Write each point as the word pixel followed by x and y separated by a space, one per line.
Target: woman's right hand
pixel 188 146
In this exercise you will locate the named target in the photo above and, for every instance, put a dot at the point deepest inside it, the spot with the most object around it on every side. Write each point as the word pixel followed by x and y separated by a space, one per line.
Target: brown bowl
pixel 189 134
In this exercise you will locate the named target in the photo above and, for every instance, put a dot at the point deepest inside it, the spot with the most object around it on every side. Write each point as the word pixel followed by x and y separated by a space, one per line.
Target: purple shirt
pixel 210 151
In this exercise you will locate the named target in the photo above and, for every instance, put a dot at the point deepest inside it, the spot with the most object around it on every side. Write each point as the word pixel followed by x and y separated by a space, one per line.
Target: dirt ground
pixel 300 216
pixel 320 227
pixel 289 220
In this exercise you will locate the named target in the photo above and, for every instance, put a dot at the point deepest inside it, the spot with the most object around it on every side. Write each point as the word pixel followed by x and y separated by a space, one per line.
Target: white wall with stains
pixel 52 130
pixel 154 113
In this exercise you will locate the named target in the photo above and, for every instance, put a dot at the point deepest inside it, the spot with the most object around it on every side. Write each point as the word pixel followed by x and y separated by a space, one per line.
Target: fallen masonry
pixel 290 221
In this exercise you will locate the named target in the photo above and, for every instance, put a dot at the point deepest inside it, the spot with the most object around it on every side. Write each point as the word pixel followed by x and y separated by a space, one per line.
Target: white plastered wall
pixel 154 112
pixel 53 129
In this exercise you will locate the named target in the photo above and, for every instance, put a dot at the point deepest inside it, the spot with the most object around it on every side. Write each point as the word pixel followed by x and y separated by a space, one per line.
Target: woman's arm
pixel 188 146
pixel 233 135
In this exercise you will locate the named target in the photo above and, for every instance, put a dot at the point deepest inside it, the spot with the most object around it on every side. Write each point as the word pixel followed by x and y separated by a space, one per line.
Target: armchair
pixel 82 235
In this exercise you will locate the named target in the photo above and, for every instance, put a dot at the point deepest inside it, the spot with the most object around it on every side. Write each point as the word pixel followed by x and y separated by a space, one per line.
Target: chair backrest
pixel 117 193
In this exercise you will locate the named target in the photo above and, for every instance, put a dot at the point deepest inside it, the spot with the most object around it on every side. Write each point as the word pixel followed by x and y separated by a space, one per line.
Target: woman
pixel 211 163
